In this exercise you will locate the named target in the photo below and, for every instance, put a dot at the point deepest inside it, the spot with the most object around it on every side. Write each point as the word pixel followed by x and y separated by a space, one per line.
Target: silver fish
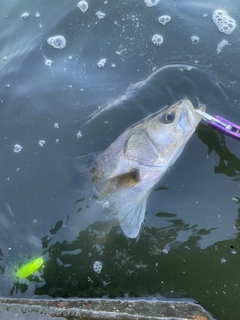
pixel 128 169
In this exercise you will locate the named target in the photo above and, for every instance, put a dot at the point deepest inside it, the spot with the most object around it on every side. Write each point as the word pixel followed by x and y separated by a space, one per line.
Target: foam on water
pixel 83 6
pixel 17 148
pixel 101 63
pixel 25 15
pixel 164 19
pixel 41 143
pixel 48 62
pixel 58 42
pixel 157 39
pixel 221 45
pixel 100 14
pixel 151 3
pixel 97 266
pixel 56 125
pixel 79 134
pixel 223 21
pixel 195 39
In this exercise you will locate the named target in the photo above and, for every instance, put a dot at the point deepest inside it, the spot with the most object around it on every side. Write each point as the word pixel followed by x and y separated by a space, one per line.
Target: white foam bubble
pixel 97 266
pixel 79 134
pixel 58 42
pixel 221 45
pixel 223 21
pixel 100 14
pixel 195 39
pixel 164 19
pixel 56 125
pixel 83 6
pixel 151 3
pixel 37 15
pixel 48 62
pixel 17 148
pixel 41 143
pixel 101 63
pixel 25 15
pixel 157 39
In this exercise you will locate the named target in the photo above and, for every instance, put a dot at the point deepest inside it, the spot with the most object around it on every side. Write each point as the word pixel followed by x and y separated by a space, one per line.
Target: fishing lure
pixel 226 127
pixel 29 268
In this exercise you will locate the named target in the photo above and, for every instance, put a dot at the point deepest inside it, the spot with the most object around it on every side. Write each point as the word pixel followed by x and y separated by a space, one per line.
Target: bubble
pixel 105 205
pixel 17 148
pixel 221 45
pixel 5 58
pixel 48 62
pixel 101 63
pixel 37 15
pixel 100 15
pixel 41 143
pixel 25 15
pixel 79 134
pixel 164 19
pixel 233 251
pixel 58 42
pixel 223 260
pixel 56 125
pixel 151 3
pixel 83 6
pixel 157 39
pixel 97 266
pixel 113 65
pixel 223 21
pixel 57 140
pixel 195 39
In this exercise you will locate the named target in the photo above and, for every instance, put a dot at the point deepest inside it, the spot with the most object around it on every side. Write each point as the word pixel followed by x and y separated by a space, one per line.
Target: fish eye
pixel 168 117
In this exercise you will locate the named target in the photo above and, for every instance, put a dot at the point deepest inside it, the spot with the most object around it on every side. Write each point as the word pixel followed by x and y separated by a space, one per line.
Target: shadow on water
pixel 229 163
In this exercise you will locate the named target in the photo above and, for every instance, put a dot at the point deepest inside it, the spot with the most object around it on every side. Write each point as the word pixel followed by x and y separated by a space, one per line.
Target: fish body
pixel 128 169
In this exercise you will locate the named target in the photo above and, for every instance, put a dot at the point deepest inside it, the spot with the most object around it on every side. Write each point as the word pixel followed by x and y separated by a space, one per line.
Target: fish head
pixel 161 137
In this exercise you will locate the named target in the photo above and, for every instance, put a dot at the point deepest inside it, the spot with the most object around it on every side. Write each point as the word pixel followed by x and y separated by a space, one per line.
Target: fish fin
pixel 131 217
pixel 118 183
pixel 81 167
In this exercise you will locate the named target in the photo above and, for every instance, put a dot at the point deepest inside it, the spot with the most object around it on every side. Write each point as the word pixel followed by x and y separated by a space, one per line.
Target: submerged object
pixel 29 268
pixel 128 169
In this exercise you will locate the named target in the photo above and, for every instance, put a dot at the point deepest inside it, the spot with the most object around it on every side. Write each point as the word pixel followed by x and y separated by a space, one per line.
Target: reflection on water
pixel 229 163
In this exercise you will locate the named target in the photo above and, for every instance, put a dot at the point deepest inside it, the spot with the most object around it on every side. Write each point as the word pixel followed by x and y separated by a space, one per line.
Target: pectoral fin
pixel 119 183
pixel 132 216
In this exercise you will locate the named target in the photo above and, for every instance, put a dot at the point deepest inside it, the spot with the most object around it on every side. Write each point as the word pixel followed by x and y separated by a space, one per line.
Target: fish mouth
pixel 189 117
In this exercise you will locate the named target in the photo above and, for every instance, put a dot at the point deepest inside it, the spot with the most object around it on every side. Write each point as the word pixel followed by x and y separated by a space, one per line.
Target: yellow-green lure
pixel 29 268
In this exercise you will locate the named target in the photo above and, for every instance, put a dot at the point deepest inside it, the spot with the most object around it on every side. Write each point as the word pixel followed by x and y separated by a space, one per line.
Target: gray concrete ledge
pixel 72 309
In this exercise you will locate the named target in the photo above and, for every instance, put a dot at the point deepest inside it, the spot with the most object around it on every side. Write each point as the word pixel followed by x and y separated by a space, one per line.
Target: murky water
pixel 57 103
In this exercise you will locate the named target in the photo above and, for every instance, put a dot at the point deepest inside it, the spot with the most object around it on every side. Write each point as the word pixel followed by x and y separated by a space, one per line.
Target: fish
pixel 126 172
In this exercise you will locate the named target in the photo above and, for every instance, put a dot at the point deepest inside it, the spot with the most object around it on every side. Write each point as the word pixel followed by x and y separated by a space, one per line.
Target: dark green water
pixel 189 242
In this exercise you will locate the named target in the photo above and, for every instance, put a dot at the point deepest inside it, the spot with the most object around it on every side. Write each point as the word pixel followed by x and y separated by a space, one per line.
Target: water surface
pixel 59 104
